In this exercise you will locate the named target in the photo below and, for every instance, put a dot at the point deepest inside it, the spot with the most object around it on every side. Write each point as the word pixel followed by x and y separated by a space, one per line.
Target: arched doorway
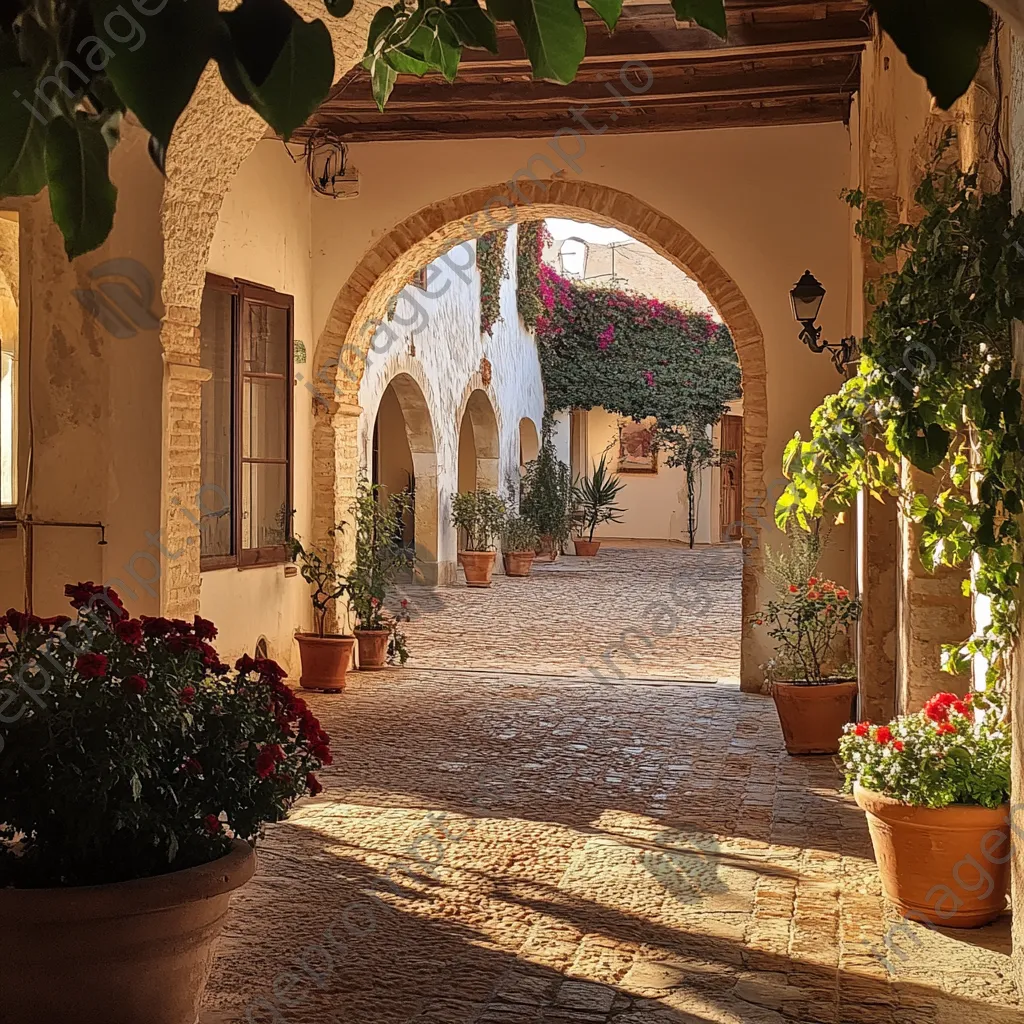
pixel 404 461
pixel 529 442
pixel 361 304
pixel 478 444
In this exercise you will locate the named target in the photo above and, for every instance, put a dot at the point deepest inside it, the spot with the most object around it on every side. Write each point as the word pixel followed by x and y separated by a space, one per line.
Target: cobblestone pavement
pixel 648 613
pixel 499 848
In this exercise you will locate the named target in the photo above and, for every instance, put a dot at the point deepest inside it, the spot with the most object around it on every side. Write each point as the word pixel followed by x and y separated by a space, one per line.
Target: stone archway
pixel 479 445
pixel 361 304
pixel 411 406
pixel 529 441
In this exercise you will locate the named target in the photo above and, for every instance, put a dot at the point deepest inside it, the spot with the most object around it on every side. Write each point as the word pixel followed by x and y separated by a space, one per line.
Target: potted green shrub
pixel 935 786
pixel 480 516
pixel 379 558
pixel 546 498
pixel 594 504
pixel 138 772
pixel 518 545
pixel 814 693
pixel 326 657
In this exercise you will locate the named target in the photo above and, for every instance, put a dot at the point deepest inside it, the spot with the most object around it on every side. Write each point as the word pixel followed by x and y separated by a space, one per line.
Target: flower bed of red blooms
pixel 129 749
pixel 956 750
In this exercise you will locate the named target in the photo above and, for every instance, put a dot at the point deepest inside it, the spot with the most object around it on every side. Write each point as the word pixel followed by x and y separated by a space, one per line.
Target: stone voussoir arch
pixel 361 304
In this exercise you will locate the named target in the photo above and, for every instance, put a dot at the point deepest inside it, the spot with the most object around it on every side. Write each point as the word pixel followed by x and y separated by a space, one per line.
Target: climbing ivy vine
pixel 493 267
pixel 935 387
pixel 530 241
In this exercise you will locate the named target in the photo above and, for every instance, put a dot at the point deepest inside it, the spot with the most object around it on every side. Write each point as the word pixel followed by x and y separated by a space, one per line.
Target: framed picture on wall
pixel 636 447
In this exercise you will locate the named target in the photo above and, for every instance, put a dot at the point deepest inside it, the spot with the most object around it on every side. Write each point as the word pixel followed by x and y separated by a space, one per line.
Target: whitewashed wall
pixel 434 337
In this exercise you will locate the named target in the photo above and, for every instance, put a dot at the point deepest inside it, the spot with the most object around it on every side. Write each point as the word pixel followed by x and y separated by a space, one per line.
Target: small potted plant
pixel 814 694
pixel 518 545
pixel 379 558
pixel 594 504
pixel 479 515
pixel 547 498
pixel 326 657
pixel 935 786
pixel 138 772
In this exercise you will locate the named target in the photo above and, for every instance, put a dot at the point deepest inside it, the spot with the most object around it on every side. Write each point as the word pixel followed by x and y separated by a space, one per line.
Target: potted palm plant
pixel 594 504
pixel 546 499
pixel 379 558
pixel 326 657
pixel 935 786
pixel 518 545
pixel 479 515
pixel 138 773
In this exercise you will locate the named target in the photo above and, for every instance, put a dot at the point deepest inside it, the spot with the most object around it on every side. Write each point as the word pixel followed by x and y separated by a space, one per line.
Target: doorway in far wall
pixel 731 518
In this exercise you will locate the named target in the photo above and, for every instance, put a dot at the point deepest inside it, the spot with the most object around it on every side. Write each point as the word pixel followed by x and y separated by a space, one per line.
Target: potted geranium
pixel 518 545
pixel 594 504
pixel 137 773
pixel 814 692
pixel 326 657
pixel 479 515
pixel 935 787
pixel 547 498
pixel 379 558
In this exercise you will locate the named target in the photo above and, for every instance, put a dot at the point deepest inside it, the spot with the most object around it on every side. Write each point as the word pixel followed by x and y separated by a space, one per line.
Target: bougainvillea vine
pixel 491 262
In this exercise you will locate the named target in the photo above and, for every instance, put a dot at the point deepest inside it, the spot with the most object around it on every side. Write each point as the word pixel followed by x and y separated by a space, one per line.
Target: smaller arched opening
pixel 405 462
pixel 478 445
pixel 529 442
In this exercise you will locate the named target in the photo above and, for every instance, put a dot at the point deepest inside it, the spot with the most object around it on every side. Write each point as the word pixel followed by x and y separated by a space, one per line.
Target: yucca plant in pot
pixel 935 786
pixel 593 505
pixel 546 498
pixel 379 558
pixel 480 516
pixel 136 773
pixel 518 545
pixel 326 657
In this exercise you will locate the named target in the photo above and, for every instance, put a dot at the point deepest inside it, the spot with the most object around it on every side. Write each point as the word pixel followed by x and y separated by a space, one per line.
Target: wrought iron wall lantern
pixel 807 295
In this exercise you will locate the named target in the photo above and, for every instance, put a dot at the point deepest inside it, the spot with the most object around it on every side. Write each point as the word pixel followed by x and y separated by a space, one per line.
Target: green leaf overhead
pixel 173 46
pixel 941 39
pixel 608 11
pixel 709 14
pixel 82 197
pixel 22 162
pixel 552 32
pixel 473 25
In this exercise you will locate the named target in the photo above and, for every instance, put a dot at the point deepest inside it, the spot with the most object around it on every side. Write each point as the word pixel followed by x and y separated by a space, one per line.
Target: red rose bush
pixel 128 749
pixel 956 750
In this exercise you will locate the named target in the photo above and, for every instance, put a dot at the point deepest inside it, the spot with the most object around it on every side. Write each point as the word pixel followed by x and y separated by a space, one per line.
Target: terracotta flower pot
pixel 586 548
pixel 325 660
pixel 116 954
pixel 548 549
pixel 478 566
pixel 373 648
pixel 812 717
pixel 518 563
pixel 940 865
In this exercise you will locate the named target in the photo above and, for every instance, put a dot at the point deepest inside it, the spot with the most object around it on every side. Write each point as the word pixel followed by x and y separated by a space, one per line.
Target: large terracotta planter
pixel 812 717
pixel 126 953
pixel 478 567
pixel 586 548
pixel 518 563
pixel 373 648
pixel 548 549
pixel 940 865
pixel 325 660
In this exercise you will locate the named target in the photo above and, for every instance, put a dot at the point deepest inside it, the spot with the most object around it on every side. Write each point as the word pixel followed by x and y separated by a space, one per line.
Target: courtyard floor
pixel 547 844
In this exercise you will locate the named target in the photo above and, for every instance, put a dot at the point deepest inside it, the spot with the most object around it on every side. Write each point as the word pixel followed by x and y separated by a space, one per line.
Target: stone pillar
pixel 932 611
pixel 877 633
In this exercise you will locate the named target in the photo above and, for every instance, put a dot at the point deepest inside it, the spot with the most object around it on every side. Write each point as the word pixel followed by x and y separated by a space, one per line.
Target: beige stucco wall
pixel 263 235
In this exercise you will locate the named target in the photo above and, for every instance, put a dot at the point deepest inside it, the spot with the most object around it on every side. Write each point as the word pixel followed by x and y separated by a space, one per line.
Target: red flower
pixel 245 664
pixel 92 666
pixel 314 784
pixel 212 824
pixel 842 594
pixel 269 670
pixel 883 734
pixel 812 581
pixel 267 759
pixel 961 708
pixel 937 707
pixel 91 597
pixel 129 631
pixel 945 728
pixel 192 767
pixel 135 684
pixel 898 746
pixel 861 729
pixel 204 628
pixel 794 589
pixel 405 602
pixel 156 626
pixel 54 621
pixel 186 694
pixel 322 752
pixel 813 595
pixel 20 622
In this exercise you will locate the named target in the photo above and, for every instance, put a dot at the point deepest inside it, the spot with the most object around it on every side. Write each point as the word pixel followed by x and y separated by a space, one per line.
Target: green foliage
pixel 530 241
pixel 594 500
pixel 955 751
pixel 493 267
pixel 807 623
pixel 135 751
pixel 692 448
pixel 519 534
pixel 798 561
pixel 379 555
pixel 322 574
pixel 481 514
pixel 935 387
pixel 546 494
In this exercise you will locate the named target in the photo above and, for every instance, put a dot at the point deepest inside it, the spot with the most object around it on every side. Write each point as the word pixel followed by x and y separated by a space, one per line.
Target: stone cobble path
pixel 496 848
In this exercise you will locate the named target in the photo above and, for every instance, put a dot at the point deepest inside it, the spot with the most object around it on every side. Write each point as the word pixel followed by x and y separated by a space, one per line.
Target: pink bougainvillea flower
pixel 649 378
